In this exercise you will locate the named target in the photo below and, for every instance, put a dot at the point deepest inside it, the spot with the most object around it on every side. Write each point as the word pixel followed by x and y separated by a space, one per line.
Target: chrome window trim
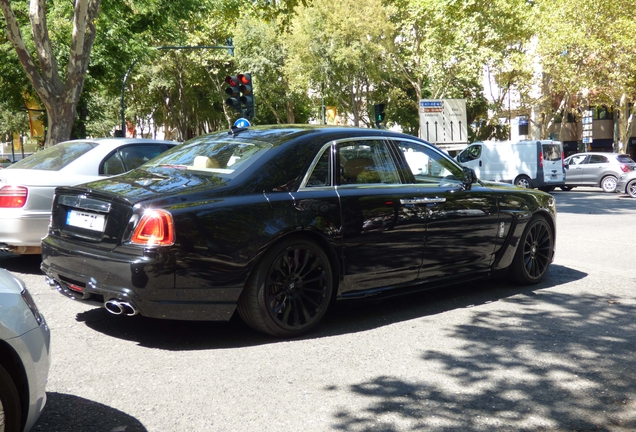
pixel 388 140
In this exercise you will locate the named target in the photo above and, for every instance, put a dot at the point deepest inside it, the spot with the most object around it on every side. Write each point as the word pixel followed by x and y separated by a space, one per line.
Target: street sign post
pixel 587 135
pixel 443 123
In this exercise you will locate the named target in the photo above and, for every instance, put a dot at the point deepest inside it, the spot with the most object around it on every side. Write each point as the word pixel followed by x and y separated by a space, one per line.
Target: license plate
pixel 90 221
pixel 553 176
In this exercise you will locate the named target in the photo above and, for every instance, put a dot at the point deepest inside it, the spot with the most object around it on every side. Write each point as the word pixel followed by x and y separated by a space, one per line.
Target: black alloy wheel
pixel 631 188
pixel 290 290
pixel 10 414
pixel 534 253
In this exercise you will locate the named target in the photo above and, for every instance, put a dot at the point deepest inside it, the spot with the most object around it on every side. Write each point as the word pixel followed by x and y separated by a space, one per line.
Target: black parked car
pixel 278 222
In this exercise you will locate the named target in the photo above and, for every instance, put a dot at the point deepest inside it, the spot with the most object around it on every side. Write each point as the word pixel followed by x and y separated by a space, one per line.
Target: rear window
pixel 212 154
pixel 551 152
pixel 625 159
pixel 55 158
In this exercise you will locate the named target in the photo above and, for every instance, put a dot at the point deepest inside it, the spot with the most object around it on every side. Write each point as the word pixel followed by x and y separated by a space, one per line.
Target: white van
pixel 528 163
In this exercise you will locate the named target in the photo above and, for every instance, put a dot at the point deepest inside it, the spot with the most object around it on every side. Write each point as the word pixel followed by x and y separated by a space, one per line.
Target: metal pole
pixel 123 103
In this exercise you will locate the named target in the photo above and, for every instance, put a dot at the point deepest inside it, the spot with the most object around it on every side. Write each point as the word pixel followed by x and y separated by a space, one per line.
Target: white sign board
pixel 587 136
pixel 443 122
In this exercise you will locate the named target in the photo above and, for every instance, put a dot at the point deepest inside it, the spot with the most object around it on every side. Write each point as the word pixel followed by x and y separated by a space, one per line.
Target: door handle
pixel 422 200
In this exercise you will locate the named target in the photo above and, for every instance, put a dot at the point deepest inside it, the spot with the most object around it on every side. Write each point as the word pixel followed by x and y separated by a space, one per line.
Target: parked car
pixel 24 356
pixel 278 221
pixel 526 163
pixel 27 186
pixel 596 169
pixel 627 183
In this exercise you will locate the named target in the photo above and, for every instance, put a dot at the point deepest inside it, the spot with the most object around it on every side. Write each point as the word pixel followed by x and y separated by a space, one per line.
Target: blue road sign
pixel 242 123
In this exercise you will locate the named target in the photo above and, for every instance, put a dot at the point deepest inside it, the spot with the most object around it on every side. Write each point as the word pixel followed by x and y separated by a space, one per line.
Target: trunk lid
pixel 101 212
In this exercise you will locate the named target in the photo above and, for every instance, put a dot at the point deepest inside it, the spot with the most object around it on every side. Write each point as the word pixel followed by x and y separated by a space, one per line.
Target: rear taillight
pixel 155 228
pixel 13 196
pixel 541 159
pixel 563 160
pixel 625 168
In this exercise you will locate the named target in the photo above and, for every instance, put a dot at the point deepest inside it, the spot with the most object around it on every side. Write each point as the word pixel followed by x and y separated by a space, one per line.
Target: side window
pixel 470 153
pixel 366 161
pixel 577 160
pixel 112 165
pixel 597 159
pixel 136 155
pixel 427 165
pixel 320 175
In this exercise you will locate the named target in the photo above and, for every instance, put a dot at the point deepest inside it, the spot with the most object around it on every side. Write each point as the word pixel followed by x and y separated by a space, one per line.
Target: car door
pixel 382 230
pixel 574 169
pixel 461 225
pixel 593 169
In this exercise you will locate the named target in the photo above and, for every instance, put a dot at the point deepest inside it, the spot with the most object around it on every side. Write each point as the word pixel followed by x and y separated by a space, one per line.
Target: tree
pixel 587 53
pixel 339 54
pixel 442 47
pixel 59 92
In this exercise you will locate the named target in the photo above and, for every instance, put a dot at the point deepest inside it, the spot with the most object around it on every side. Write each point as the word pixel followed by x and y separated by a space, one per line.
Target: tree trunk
pixel 59 97
pixel 60 122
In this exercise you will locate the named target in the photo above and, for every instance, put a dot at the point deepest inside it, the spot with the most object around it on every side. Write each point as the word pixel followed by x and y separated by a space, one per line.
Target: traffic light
pixel 378 113
pixel 247 95
pixel 233 93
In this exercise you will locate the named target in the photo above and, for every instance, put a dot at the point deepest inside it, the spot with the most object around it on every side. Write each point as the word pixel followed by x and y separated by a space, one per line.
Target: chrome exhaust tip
pixel 114 307
pixel 117 307
pixel 128 309
pixel 50 281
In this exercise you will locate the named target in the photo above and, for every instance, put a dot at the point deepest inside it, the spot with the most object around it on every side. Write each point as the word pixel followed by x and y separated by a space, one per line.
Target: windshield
pixel 213 153
pixel 55 158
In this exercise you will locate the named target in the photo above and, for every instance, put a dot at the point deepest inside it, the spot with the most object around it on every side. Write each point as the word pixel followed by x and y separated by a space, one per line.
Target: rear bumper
pixel 19 228
pixel 146 282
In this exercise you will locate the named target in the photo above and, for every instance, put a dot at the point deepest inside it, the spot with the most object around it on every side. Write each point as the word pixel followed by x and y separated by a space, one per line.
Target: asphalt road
pixel 489 356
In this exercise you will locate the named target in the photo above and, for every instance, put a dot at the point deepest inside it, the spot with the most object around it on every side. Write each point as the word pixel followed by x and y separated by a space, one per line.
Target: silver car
pixel 627 184
pixel 596 169
pixel 27 186
pixel 24 356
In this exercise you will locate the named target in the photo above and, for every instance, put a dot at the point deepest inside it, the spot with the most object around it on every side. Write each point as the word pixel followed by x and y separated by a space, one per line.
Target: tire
pixel 534 253
pixel 566 188
pixel 608 184
pixel 523 181
pixel 289 291
pixel 631 188
pixel 9 403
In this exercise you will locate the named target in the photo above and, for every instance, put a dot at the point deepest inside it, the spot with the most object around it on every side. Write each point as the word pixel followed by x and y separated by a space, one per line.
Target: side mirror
pixel 468 177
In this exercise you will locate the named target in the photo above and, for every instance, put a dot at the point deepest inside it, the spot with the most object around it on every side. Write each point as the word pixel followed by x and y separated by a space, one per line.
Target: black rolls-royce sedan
pixel 278 222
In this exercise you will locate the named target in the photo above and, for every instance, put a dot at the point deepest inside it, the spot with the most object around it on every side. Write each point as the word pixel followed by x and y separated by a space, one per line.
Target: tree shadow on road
pixel 585 202
pixel 344 318
pixel 556 362
pixel 68 413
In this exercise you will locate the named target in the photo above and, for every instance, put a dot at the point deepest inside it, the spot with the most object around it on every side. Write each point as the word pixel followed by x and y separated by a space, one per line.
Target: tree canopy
pixel 303 55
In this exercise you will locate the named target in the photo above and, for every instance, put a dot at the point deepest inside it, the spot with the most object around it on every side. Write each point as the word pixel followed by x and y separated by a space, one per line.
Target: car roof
pixel 292 134
pixel 116 142
pixel 599 153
